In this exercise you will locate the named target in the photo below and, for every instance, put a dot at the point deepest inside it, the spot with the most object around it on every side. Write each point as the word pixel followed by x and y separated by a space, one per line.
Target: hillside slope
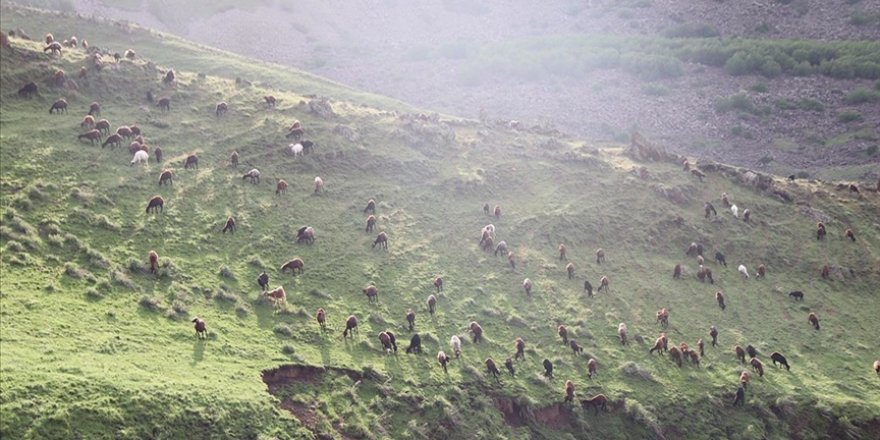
pixel 95 346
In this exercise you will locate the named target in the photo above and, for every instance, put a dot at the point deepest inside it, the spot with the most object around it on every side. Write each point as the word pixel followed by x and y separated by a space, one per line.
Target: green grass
pixel 93 346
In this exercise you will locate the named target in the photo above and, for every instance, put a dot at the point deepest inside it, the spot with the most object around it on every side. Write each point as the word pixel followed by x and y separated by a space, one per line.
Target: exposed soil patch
pixel 276 378
pixel 555 416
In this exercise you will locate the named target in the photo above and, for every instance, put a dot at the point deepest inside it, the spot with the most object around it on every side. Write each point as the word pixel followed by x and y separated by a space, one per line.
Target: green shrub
pixel 759 88
pixel 862 96
pixel 850 116
pixel 692 30
pixel 739 102
pixel 862 18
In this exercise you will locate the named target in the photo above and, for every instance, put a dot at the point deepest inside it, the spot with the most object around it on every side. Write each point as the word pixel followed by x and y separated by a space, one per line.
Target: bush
pixel 759 88
pixel 862 18
pixel 93 294
pixel 283 330
pixel 73 271
pixel 862 96
pixel 692 30
pixel 150 303
pixel 288 349
pixel 226 272
pixel 739 102
pixel 850 116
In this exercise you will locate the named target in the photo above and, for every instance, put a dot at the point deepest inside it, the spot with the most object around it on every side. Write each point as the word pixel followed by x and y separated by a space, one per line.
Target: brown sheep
pixel 58 106
pixel 676 272
pixel 305 234
pixel 295 133
pixel 570 269
pixel 877 367
pixel 136 131
pixel 411 319
pixel 563 333
pixel 230 225
pixel 826 272
pixel 685 349
pixel 321 317
pixel 158 152
pixel 95 109
pixel 432 304
pixel 221 109
pixel 814 320
pixel 125 132
pixel 605 284
pixel 233 159
pixel 569 392
pixel 713 332
pixel 278 296
pixel 820 231
pixel 49 38
pixel 55 47
pixel 351 326
pixel 135 146
pixel 854 188
pixel 371 207
pixel 575 347
pixel 562 251
pixel 201 328
pixel 658 346
pixel 497 211
pixel 154 262
pixel 777 357
pixel 705 273
pixel 88 121
pixel 592 367
pixel 686 166
pixel 700 346
pixel 724 200
pixel 372 293
pixel 700 260
pixel 192 161
pixel 92 136
pixel 371 223
pixel 164 104
pixel 621 333
pixel 744 378
pixel 156 204
pixel 293 265
pixel 720 298
pixel 527 286
pixel 385 339
pixel 511 260
pixel 130 54
pixel 443 359
pixel 762 271
pixel 695 358
pixel 492 369
pixel 103 125
pixel 520 346
pixel 747 215
pixel 598 401
pixel 663 317
pixel 740 354
pixel 166 178
pixel 850 235
pixel 477 331
pixel 281 187
pixel 709 209
pixel 270 100
pixel 758 366
pixel 381 240
pixel 438 284
pixel 600 255
pixel 675 355
pixel 698 174
pixel 28 90
pixel 169 76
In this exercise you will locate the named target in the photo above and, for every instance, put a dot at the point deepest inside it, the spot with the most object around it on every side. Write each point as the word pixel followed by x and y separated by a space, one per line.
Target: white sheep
pixel 319 184
pixel 734 210
pixel 296 149
pixel 140 156
pixel 742 269
pixel 455 342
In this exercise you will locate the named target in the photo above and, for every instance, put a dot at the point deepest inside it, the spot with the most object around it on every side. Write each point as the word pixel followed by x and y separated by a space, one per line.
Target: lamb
pixel 820 231
pixel 850 235
pixel 455 343
pixel 527 286
pixel 477 331
pixel 600 255
pixel 797 295
pixel 511 260
pixel 563 333
pixel 814 320
pixel 604 283
pixel 270 100
pixel 253 175
pixel 663 317
pixel 192 161
pixel 305 234
pixel 28 90
pixel 372 293
pixel 233 159
pixel 676 272
pixel 55 47
pixel 548 368
pixel 443 359
pixel 164 104
pixel 740 354
pixel 295 149
pixel 371 223
pixel 492 369
pixel 432 304
pixel 263 281
pixel 562 251
pixel 725 200
pixel 281 187
pixel 520 346
pixel 92 136
pixel 598 401
pixel 140 157
pixel 103 125
pixel 758 366
pixel 700 260
pixel 277 295
pixel 154 262
pixel 381 240
pixel 497 211
pixel 570 269
pixel 156 204
pixel 221 109
pixel 621 333
pixel 776 357
pixel 747 215
pixel 826 272
pixel 762 272
pixel 743 271
pixel 166 178
pixel 720 298
pixel 486 209
pixel 438 284
pixel 694 249
pixel 94 109
pixel 501 247
pixel 735 210
pixel 713 332
pixel 575 347
pixel 385 339
pixel 293 265
pixel 719 258
pixel 59 106
pixel 351 326
pixel 88 121
pixel 411 318
pixel 371 207
pixel 201 328
pixel 709 209
pixel 675 355
pixel 230 225
pixel 321 317
pixel 415 345
pixel 319 185
pixel 569 392
pixel 592 367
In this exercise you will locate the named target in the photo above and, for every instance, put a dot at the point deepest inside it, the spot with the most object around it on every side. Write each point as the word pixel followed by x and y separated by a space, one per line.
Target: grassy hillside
pixel 94 346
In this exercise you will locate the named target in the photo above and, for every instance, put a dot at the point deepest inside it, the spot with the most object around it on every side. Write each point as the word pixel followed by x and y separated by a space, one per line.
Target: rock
pixel 322 108
pixel 346 132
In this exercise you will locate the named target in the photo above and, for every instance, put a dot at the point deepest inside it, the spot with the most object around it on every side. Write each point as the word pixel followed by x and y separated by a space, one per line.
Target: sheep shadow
pixel 198 352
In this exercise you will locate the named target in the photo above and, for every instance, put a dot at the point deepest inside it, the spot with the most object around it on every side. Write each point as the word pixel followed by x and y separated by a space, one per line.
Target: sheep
pixel 371 223
pixel 295 133
pixel 411 319
pixel 166 178
pixel 438 284
pixel 221 109
pixel 134 147
pixel 415 345
pixel 705 273
pixel 381 240
pixel 164 104
pixel 758 366
pixel 501 247
pixel 854 188
pixel 698 174
pixel 117 56
pixel 685 350
pixel 751 351
pixel 621 333
pixel 713 332
pixel 575 347
pixel 747 215
pixel 695 358
pixel 740 354
pixel 605 284
pixel 511 260
pixel 277 295
pixel 103 125
pixel 201 328
pixel 140 157
pixel 319 185
pixel 305 234
pixel 94 109
pixel 740 394
pixel 233 159
pixel 588 288
pixel 49 38
pixel 492 369
pixel 675 355
pixel 486 209
pixel 169 77
pixel 563 333
pixel 820 231
pixel 281 187
pixel 700 260
pixel 548 368
pixel 293 265
pixel 73 41
pixel 676 272
pixel 88 121
pixel 497 212
pixel 4 41
pixel 720 298
pixel 55 47
pixel 295 149
pixel 686 166
pixel 308 146
pixel 371 207
pixel 569 392
pixel 520 346
pixel 850 235
pixel 709 209
pixel 351 326
pixel 130 54
pixel 776 357
pixel 725 200
pixel 192 161
pixel 92 136
pixel 663 317
pixel 598 401
pixel 508 364
pixel 154 262
pixel 826 272
pixel 700 346
pixel 600 255
pixel 28 90
pixel 59 106
pixel 813 320
pixel 562 252
pixel 230 225
pixel 761 272
pixel 592 367
pixel 527 286
pixel 321 317
pixel 85 44
pixel 477 331
pixel 797 295
pixel 253 175
pixel 443 359
pixel 372 293
pixel 487 244
pixel 124 132
pixel 455 343
pixel 694 249
pixel 735 211
pixel 569 268
pixel 385 339
pixel 263 281
pixel 392 339
pixel 877 367
pixel 156 204
pixel 432 304
pixel 270 100
pixel 719 258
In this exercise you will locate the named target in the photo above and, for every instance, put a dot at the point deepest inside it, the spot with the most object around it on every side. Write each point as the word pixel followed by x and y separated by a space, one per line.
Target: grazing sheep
pixel 820 231
pixel 826 272
pixel 411 319
pixel 588 288
pixel 740 393
pixel 308 146
pixel 520 346
pixel 548 368
pixel 700 260
pixel 676 272
pixel 385 339
pixel 92 136
pixel 230 225
pixel 154 262
pixel 694 249
pixel 263 281
pixel 501 247
pixel 797 295
pixel 695 358
pixel 713 332
pixel 854 188
pixel 600 255
pixel 130 54
pixel 124 131
pixel 164 104
pixel 477 331
pixel 700 346
pixel 605 284
pixel 233 159
pixel 663 317
pixel 762 272
pixel 381 240
pixel 719 258
pixel 305 234
pixel 140 157
pixel 371 223
pixel 371 207
pixel 575 347
pixel 492 369
pixel 28 90
pixel 438 284
pixel 776 357
pixel 55 47
pixel 270 100
pixel 319 185
pixel 685 350
pixel 88 121
pixel 221 109
pixel 758 366
pixel 698 174
pixel 850 234
pixel 735 210
pixel 562 251
pixel 295 133
pixel 508 363
pixel 415 345
pixel 372 293
pixel 720 298
pixel 709 209
pixel 321 317
pixel 281 187
pixel 814 320
pixel 725 200
pixel 743 271
pixel 443 360
pixel 675 355
pixel 751 351
pixel 156 204
pixel 103 125
pixel 58 106
pixel 592 367
pixel 511 260
pixel 253 175
pixel 455 343
pixel 351 326
pixel 293 265
pixel 569 392
pixel 487 244
pixel 705 273
pixel 563 333
pixel 392 339
pixel 527 286
pixel 201 328
pixel 134 147
pixel 94 109
pixel 192 161
pixel 597 402
pixel 486 209
pixel 570 269
pixel 432 304
pixel 497 211
pixel 117 56
pixel 278 296
pixel 295 149
pixel 166 178
pixel 740 354
pixel 621 333
pixel 747 215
